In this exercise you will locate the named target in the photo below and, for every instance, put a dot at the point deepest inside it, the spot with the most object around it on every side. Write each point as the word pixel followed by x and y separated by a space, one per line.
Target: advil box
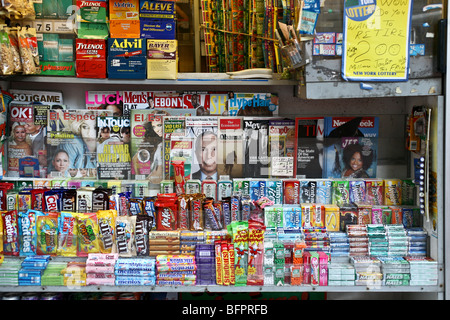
pixel 90 58
pixel 127 58
pixel 158 29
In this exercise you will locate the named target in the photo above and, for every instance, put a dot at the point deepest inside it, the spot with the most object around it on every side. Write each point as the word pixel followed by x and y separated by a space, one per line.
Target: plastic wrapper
pixel 167 212
pixel 240 241
pixel 6 54
pixel 19 9
pixel 29 55
pixel 68 235
pixel 125 228
pixel 196 221
pixel 142 229
pixel 47 233
pixel 11 246
pixel 27 233
pixel 178 169
pixel 88 241
pixel 106 226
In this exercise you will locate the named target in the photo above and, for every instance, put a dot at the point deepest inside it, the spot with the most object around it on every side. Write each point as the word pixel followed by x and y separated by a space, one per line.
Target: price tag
pixel 44 26
pixel 376 40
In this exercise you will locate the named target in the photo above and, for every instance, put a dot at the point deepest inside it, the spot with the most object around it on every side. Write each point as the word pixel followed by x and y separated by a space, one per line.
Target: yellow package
pixel 68 235
pixel 47 233
pixel 106 225
pixel 87 234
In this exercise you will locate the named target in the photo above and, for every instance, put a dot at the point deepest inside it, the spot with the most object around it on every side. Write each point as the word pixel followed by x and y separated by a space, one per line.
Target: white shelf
pixel 217 288
pixel 184 79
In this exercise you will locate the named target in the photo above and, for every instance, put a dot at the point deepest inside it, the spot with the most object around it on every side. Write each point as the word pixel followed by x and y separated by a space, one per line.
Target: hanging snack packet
pixel 10 233
pixel 47 233
pixel 87 234
pixel 6 54
pixel 125 236
pixel 19 10
pixel 68 235
pixel 27 232
pixel 28 48
pixel 107 226
pixel 14 41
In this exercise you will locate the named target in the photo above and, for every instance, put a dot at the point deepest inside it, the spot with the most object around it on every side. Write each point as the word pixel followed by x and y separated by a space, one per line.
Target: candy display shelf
pixel 217 288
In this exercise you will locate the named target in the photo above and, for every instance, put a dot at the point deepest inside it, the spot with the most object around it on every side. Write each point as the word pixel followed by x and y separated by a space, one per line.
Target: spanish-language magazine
pixel 72 142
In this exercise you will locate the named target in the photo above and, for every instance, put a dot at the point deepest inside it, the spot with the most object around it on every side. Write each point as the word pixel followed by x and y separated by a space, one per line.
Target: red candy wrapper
pixel 196 222
pixel 10 231
pixel 166 212
pixel 183 212
pixel 178 169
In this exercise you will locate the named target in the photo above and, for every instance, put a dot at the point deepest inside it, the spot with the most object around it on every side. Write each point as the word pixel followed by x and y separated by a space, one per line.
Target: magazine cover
pixel 147 145
pixel 309 147
pixel 218 103
pixel 172 126
pixel 282 147
pixel 230 153
pixel 202 131
pixel 105 100
pixel 351 147
pixel 27 154
pixel 143 99
pixel 25 96
pixel 72 142
pixel 256 147
pixel 181 149
pixel 252 104
pixel 113 147
pixel 199 101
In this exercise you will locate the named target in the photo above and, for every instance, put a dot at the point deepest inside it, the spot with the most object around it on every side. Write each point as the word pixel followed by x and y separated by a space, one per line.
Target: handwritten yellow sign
pixel 376 40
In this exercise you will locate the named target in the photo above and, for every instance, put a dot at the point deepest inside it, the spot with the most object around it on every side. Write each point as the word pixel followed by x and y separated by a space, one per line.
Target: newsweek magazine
pixel 202 132
pixel 230 154
pixel 113 148
pixel 351 147
pixel 309 133
pixel 147 143
pixel 26 149
pixel 256 147
pixel 72 143
pixel 282 147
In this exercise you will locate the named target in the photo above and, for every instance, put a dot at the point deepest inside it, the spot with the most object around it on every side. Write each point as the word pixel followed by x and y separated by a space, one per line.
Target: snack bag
pixel 27 232
pixel 107 229
pixel 142 229
pixel 47 233
pixel 28 48
pixel 240 241
pixel 88 241
pixel 10 233
pixel 68 235
pixel 6 54
pixel 125 236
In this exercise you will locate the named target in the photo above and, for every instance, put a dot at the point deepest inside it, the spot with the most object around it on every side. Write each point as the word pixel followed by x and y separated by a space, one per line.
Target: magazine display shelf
pixel 326 90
